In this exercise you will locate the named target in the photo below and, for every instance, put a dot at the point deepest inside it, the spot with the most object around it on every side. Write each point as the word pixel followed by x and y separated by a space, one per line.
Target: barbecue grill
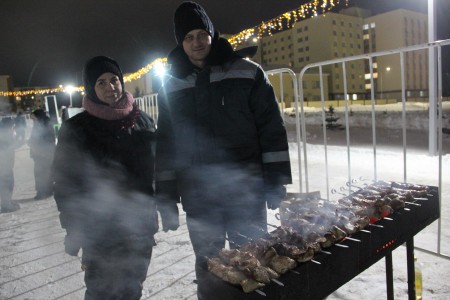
pixel 340 263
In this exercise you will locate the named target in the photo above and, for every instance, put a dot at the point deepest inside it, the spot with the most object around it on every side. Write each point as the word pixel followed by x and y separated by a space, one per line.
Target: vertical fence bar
pixel 324 128
pixel 402 76
pixel 347 125
pixel 374 126
pixel 281 95
pixel 440 143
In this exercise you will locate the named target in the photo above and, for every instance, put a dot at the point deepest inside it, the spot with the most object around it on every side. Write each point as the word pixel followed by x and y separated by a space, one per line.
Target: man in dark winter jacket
pixel 221 143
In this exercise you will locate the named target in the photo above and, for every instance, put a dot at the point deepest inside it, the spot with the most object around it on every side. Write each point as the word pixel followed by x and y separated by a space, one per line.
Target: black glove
pixel 72 244
pixel 169 215
pixel 274 195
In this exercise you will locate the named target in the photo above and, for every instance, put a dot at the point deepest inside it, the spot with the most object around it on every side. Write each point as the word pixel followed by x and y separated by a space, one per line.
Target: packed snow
pixel 33 264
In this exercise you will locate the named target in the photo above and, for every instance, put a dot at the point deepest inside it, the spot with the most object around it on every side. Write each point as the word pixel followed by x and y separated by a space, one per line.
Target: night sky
pixel 45 43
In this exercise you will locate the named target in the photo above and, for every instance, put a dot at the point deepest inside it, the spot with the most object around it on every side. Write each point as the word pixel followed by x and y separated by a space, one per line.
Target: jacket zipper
pixel 223 100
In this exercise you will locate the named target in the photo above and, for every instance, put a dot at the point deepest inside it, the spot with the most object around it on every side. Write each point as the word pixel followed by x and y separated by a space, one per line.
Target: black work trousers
pixel 117 273
pixel 209 229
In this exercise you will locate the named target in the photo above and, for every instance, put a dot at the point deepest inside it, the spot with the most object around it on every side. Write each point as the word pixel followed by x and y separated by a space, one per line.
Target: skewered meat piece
pixel 259 273
pixel 248 264
pixel 239 259
pixel 363 222
pixel 408 186
pixel 249 285
pixel 280 263
pixel 256 247
pixel 396 203
pixel 224 272
pixel 232 275
pixel 288 235
pixel 296 253
pixel 338 233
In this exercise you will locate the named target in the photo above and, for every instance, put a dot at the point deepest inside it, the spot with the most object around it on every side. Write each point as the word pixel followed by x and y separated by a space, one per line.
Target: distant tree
pixel 331 118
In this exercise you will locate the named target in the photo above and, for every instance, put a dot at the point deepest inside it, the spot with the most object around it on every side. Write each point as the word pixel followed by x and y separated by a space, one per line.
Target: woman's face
pixel 108 88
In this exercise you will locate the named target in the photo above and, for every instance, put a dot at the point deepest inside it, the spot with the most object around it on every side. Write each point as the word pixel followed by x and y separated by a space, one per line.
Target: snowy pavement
pixel 33 264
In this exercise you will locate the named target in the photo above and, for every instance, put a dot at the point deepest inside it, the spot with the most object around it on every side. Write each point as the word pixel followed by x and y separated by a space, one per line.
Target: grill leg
pixel 389 276
pixel 410 264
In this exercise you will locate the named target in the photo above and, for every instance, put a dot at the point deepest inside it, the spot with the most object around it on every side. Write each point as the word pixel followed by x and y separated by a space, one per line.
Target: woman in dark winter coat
pixel 42 148
pixel 103 173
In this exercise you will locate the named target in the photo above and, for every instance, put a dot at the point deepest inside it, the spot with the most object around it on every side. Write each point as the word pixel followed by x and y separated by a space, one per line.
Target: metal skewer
pixel 277 281
pixel 387 218
pixel 260 292
pixel 413 203
pixel 376 225
pixel 352 239
pixel 342 246
pixel 421 199
pixel 325 252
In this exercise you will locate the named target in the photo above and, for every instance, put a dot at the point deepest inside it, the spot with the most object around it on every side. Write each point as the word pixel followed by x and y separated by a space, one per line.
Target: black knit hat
pixel 189 16
pixel 94 68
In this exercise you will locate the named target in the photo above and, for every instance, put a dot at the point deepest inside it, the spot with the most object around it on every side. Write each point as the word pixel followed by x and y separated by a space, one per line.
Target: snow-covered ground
pixel 33 264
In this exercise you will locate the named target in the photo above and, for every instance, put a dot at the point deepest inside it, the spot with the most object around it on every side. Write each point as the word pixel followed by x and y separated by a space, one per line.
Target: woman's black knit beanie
pixel 94 68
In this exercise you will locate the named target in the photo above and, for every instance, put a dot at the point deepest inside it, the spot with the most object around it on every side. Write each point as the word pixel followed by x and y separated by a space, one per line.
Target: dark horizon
pixel 47 45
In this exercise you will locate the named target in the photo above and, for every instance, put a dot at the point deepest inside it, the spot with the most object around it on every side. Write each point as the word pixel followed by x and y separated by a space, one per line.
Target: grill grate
pixel 316 280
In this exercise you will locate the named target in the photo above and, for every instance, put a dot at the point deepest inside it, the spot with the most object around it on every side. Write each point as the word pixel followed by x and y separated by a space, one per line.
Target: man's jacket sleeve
pixel 271 131
pixel 165 176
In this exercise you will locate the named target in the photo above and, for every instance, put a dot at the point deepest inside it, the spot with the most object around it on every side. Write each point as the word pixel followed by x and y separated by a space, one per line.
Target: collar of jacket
pixel 221 52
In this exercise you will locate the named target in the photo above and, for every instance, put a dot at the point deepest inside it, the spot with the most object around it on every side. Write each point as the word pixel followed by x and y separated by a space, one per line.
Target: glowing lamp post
pixel 160 69
pixel 70 89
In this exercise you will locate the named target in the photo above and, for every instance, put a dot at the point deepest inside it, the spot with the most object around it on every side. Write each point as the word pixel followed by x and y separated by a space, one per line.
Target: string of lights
pixel 284 21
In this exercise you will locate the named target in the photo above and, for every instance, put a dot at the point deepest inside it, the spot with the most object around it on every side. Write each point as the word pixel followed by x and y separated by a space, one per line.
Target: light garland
pixel 285 21
pixel 130 77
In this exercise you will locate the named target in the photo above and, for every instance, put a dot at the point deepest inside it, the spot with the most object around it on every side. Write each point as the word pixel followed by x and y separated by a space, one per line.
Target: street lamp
pixel 388 69
pixel 160 69
pixel 69 89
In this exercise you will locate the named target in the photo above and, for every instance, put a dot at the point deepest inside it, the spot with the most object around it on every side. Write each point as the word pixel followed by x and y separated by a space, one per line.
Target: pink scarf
pixel 119 110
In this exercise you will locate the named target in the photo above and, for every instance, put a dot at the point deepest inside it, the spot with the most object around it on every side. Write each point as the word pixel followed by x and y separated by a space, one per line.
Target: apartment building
pixel 351 32
pixel 391 30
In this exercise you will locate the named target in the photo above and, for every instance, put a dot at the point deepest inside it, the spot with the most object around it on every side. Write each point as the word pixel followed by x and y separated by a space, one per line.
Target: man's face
pixel 197 44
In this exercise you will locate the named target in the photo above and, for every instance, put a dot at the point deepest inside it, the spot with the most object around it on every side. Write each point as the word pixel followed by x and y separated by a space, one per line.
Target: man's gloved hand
pixel 72 244
pixel 169 215
pixel 274 195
